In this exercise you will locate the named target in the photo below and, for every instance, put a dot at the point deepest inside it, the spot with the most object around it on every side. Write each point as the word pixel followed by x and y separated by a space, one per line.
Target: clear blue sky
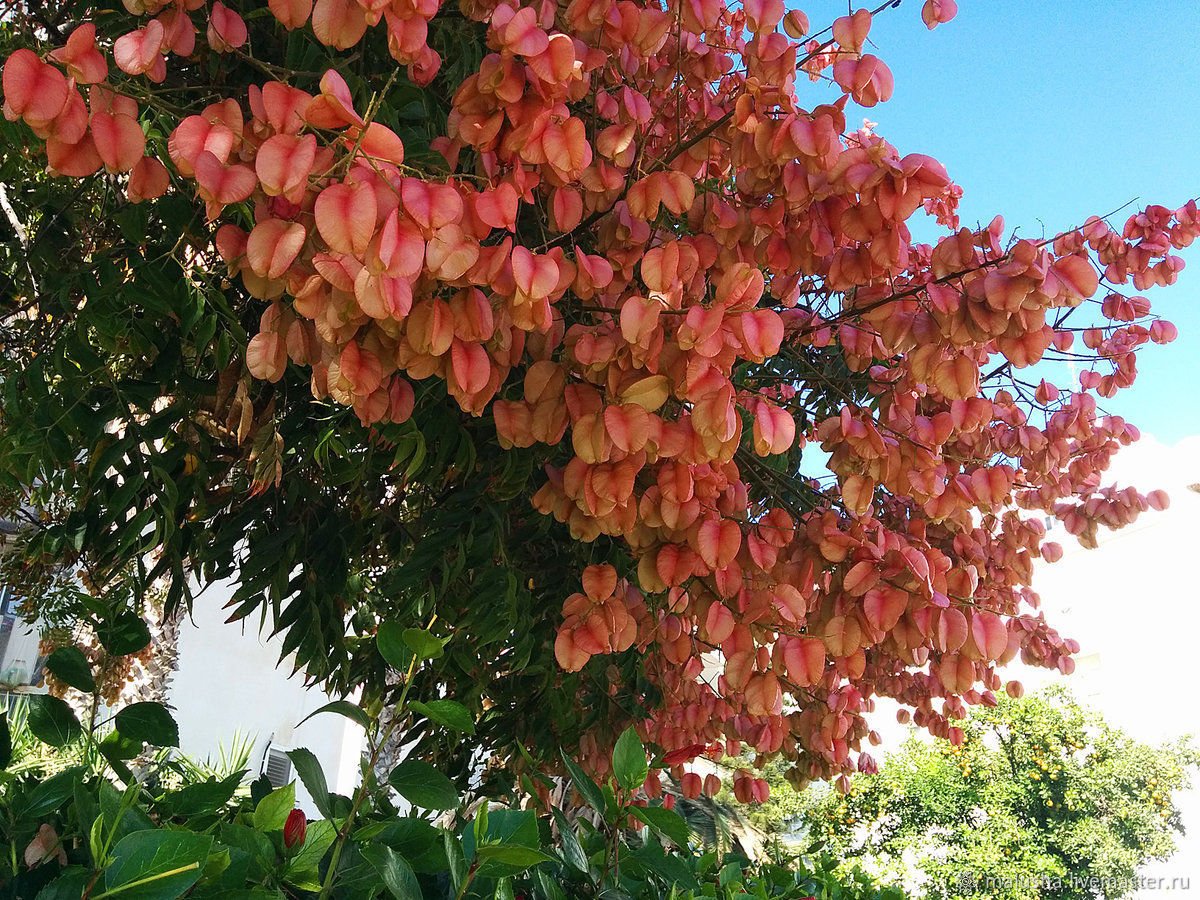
pixel 1048 112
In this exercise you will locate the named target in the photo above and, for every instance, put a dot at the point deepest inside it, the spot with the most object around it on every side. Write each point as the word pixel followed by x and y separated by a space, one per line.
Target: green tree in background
pixel 1041 796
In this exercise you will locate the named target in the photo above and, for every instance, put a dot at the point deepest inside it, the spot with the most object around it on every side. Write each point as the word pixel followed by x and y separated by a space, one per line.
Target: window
pixel 19 645
pixel 8 602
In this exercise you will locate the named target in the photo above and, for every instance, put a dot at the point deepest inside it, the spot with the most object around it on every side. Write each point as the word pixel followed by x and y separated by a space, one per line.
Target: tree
pixel 515 323
pixel 1043 797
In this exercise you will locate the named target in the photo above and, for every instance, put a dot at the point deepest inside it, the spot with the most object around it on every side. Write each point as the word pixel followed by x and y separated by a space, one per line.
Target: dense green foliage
pixel 175 829
pixel 1041 792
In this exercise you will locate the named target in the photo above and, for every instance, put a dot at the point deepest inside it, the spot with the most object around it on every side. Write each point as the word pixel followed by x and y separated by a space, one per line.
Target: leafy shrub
pixel 98 829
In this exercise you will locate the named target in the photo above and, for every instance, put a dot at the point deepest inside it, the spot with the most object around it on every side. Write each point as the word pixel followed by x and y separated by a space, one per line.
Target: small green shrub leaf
pixel 272 810
pixel 304 870
pixel 150 722
pixel 52 721
pixel 125 634
pixel 629 761
pixel 51 793
pixel 69 885
pixel 155 865
pixel 70 666
pixel 308 768
pixel 389 638
pixel 588 789
pixel 450 713
pixel 663 820
pixel 572 851
pixel 511 855
pixel 397 875
pixel 204 797
pixel 424 786
pixel 423 644
pixel 342 708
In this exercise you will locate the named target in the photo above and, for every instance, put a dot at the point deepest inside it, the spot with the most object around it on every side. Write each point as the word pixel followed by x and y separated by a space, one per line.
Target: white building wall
pixel 230 682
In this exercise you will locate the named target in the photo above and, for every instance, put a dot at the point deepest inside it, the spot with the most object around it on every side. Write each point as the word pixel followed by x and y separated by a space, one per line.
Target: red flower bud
pixel 293 829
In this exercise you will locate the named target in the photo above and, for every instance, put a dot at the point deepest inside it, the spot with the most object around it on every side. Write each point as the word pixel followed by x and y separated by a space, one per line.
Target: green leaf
pixel 673 869
pixel 480 827
pixel 588 789
pixel 150 722
pixel 342 708
pixel 87 803
pixel 512 826
pixel 454 859
pixel 610 801
pixel 224 350
pixel 355 877
pixel 203 797
pixel 255 845
pixel 504 828
pixel 260 787
pixel 116 747
pixel 389 638
pixel 5 742
pixel 729 873
pixel 96 842
pixel 397 875
pixel 415 839
pixel 69 885
pixel 418 457
pixel 424 786
pixel 313 779
pixel 51 793
pixel 533 768
pixel 511 855
pixel 218 863
pixel 125 634
pixel 663 820
pixel 571 850
pixel 450 713
pixel 272 810
pixel 423 644
pixel 303 872
pixel 52 721
pixel 504 889
pixel 121 813
pixel 629 761
pixel 155 865
pixel 70 666
pixel 548 885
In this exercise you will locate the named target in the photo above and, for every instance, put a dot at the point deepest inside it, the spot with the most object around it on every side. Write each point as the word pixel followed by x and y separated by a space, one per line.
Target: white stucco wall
pixel 228 682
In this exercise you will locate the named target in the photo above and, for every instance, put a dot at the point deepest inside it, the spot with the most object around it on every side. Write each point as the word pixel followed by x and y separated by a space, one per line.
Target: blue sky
pixel 1048 112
